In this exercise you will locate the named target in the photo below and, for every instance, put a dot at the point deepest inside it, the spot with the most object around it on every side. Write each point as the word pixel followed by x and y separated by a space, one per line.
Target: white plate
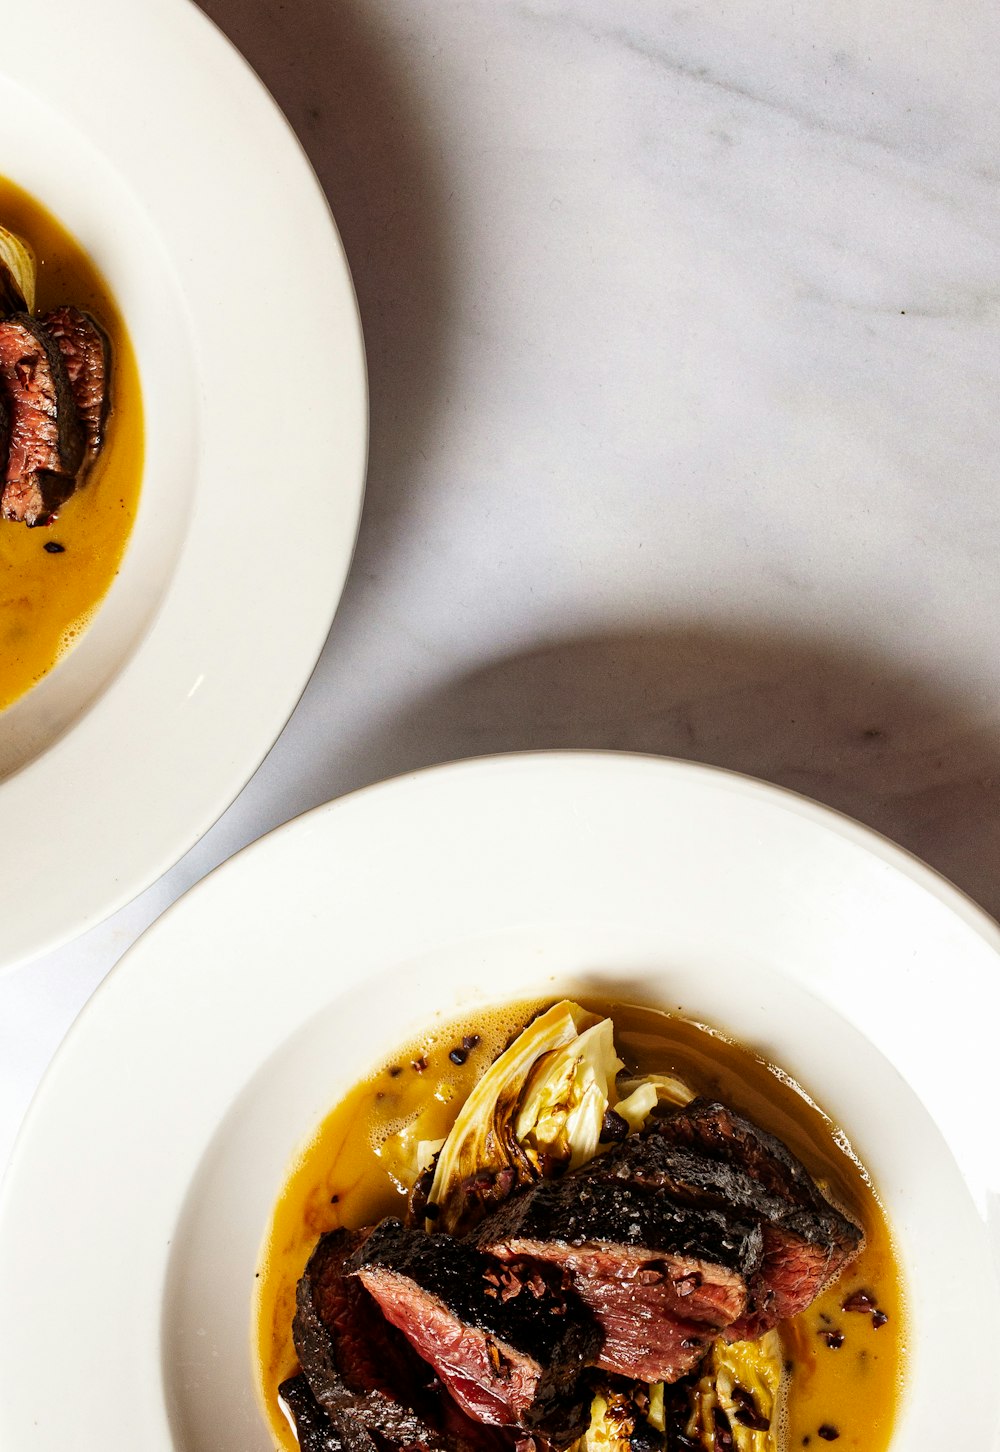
pixel 148 136
pixel 142 1184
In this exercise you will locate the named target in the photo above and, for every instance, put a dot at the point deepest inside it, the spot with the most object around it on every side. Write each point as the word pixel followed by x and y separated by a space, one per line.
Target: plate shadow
pixel 847 728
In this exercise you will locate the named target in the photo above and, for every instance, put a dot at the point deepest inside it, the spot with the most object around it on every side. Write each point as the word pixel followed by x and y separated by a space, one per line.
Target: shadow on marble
pixel 349 93
pixel 847 729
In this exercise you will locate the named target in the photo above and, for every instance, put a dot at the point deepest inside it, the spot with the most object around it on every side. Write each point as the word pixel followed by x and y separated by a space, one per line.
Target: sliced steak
pixel 722 1134
pixel 363 1373
pixel 708 1153
pixel 662 1277
pixel 508 1342
pixel 46 444
pixel 86 355
pixel 4 439
pixel 313 1428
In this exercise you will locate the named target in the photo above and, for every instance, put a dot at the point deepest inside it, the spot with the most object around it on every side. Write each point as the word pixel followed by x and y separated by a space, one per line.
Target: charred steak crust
pixel 719 1132
pixel 362 1372
pixel 579 1210
pixel 46 442
pixel 508 1341
pixel 86 353
pixel 807 1240
pixel 662 1278
pixel 654 1161
pixel 313 1428
pixel 529 1310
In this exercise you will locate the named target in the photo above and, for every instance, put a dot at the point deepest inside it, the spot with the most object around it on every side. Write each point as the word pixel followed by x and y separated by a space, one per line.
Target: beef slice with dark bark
pixel 663 1278
pixel 362 1372
pixel 45 439
pixel 509 1343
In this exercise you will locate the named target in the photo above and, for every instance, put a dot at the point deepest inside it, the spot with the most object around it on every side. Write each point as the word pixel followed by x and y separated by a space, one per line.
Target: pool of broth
pixel 47 598
pixel 844 1369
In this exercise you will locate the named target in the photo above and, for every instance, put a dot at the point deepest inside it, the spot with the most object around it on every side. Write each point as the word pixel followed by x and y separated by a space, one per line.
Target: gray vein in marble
pixel 973 306
pixel 659 56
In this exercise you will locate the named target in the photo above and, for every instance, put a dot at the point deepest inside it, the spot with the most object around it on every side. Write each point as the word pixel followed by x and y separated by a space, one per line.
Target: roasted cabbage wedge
pixel 485 1148
pixel 539 1109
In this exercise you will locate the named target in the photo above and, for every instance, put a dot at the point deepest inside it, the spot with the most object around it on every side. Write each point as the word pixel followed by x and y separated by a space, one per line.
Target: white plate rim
pixel 189 717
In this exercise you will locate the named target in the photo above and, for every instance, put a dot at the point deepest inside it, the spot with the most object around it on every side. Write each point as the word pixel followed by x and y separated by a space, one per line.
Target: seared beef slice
pixel 313 1428
pixel 362 1372
pixel 509 1344
pixel 708 1154
pixel 662 1277
pixel 46 444
pixel 86 355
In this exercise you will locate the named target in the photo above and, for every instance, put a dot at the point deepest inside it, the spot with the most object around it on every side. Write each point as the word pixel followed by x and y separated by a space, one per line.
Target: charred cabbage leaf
pixel 741 1388
pixel 17 275
pixel 513 1127
pixel 620 1421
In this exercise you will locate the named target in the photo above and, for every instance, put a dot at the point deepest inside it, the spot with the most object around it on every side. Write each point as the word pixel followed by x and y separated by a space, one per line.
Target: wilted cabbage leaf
pixel 566 1096
pixel 17 275
pixel 745 1381
pixel 664 1088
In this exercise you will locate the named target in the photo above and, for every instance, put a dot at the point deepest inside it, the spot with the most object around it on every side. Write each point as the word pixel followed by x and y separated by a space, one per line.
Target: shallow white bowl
pixel 135 1205
pixel 151 140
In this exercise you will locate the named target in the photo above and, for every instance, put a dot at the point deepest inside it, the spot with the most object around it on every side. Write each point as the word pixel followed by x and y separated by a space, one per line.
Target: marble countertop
pixel 683 328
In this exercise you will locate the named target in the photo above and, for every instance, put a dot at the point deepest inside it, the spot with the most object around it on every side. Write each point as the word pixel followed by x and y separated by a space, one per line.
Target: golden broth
pixel 845 1370
pixel 47 599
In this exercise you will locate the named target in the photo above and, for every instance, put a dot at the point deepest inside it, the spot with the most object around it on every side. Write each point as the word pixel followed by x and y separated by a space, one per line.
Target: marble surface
pixel 683 326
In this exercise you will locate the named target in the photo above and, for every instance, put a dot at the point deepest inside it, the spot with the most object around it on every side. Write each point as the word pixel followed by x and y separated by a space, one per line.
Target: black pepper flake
pixel 53 547
pixel 394 1071
pixel 834 1339
pixel 470 1042
pixel 879 1318
pixel 806 1440
pixel 828 1433
pixel 458 1056
pixel 420 1064
pixel 334 1199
